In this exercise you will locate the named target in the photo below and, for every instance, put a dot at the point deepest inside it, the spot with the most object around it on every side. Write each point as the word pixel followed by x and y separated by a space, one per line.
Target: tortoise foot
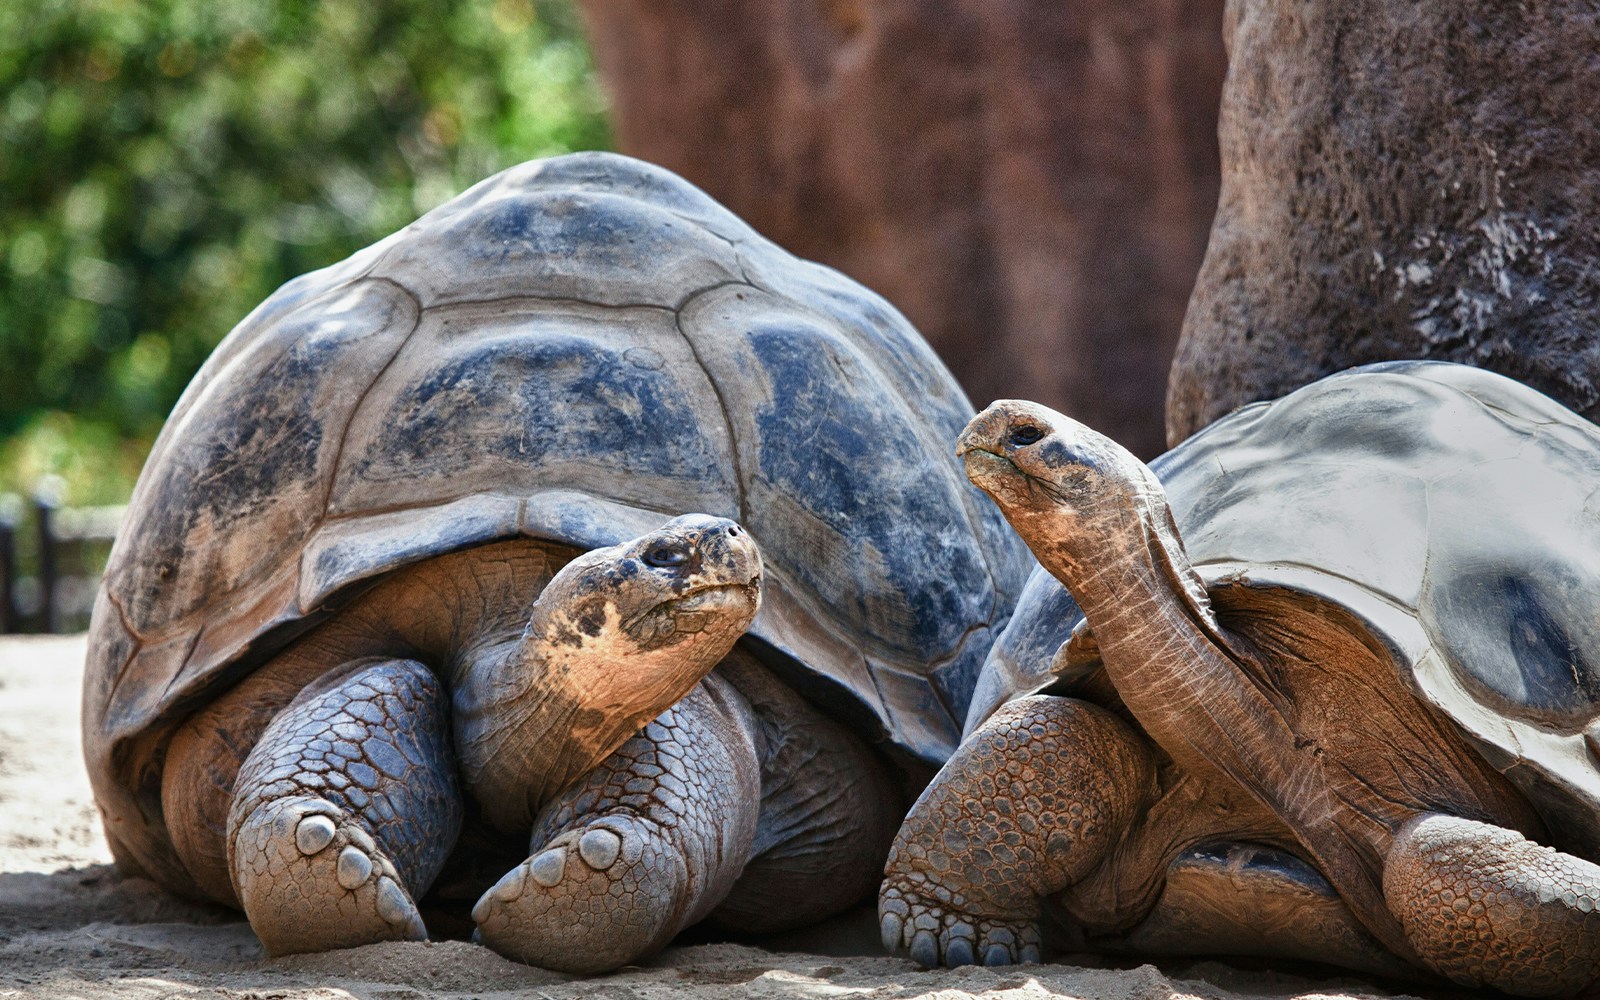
pixel 1028 804
pixel 590 900
pixel 646 844
pixel 311 879
pixel 939 934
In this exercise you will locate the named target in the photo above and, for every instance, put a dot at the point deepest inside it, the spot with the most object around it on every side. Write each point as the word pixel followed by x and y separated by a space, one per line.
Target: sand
pixel 71 926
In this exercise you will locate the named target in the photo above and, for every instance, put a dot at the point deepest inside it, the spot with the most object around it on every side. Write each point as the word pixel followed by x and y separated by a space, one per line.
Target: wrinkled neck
pixel 534 715
pixel 526 728
pixel 1172 573
pixel 1159 639
pixel 1127 565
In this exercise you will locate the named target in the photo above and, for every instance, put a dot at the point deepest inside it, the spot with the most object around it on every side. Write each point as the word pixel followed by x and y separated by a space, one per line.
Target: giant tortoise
pixel 1335 666
pixel 408 557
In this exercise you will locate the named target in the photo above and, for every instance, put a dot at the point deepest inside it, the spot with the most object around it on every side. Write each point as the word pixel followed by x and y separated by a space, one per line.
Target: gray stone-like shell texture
pixel 1456 512
pixel 576 349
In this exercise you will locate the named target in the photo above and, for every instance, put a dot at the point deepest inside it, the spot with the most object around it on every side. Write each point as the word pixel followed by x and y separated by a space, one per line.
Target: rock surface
pixel 1400 180
pixel 1030 183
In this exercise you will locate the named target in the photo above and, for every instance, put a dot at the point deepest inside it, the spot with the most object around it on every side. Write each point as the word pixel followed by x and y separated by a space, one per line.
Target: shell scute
pixel 251 452
pixel 584 246
pixel 540 398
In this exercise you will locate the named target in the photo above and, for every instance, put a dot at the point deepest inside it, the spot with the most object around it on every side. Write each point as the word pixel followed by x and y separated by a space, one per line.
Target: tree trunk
pixel 1031 183
pixel 1401 180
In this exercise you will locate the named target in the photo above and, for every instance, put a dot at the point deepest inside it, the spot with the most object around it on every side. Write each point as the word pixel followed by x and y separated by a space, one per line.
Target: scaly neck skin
pixel 534 714
pixel 1196 694
pixel 471 622
pixel 615 638
pixel 1176 669
pixel 1159 640
pixel 512 735
pixel 1098 519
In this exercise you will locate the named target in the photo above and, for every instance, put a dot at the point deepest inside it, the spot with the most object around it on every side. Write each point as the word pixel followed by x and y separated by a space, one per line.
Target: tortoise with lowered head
pixel 408 556
pixel 1356 627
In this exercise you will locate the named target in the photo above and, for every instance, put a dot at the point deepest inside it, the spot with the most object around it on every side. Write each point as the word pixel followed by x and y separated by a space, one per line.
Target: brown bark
pixel 1401 180
pixel 1031 183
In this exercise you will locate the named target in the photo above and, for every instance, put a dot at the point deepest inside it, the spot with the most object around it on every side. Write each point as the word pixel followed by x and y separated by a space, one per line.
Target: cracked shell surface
pixel 577 350
pixel 1457 514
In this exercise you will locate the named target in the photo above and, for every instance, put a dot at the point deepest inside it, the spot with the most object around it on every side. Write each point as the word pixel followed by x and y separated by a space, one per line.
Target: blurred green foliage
pixel 165 164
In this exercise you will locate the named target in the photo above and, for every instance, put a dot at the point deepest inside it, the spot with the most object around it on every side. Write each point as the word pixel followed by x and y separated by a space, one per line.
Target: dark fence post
pixel 46 501
pixel 10 517
pixel 50 569
pixel 77 532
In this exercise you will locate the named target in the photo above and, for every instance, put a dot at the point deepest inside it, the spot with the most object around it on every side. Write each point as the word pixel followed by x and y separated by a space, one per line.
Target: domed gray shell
pixel 1455 511
pixel 577 350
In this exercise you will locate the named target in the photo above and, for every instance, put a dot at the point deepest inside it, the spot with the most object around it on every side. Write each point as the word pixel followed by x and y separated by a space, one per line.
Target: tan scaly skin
pixel 1382 813
pixel 606 649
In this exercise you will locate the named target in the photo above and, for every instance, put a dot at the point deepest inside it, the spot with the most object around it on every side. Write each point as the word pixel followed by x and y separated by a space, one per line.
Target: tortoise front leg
pixel 1029 804
pixel 646 844
pixel 829 807
pixel 1485 906
pixel 345 810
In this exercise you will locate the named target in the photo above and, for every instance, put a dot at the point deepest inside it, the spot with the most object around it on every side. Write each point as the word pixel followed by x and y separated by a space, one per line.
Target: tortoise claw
pixel 588 901
pixel 311 879
pixel 892 928
pixel 935 934
pixel 998 954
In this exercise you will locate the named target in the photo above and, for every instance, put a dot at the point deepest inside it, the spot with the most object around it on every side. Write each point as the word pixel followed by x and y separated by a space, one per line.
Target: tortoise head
pixel 692 586
pixel 1055 479
pixel 619 635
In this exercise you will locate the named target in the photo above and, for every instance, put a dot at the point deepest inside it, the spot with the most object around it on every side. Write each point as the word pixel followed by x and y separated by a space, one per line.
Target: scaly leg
pixel 1485 906
pixel 829 809
pixel 645 845
pixel 345 810
pixel 1028 805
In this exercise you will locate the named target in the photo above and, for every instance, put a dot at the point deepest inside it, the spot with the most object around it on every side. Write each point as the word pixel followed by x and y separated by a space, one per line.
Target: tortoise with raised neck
pixel 1326 686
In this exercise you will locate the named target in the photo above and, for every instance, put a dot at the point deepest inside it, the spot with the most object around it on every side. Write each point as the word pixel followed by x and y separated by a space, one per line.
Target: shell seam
pixel 716 390
pixel 127 626
pixel 423 310
pixel 969 501
pixel 705 227
pixel 194 644
pixel 344 433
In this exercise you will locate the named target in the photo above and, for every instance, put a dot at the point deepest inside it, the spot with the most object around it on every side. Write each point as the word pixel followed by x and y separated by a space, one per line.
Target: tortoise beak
pixel 985 432
pixel 981 447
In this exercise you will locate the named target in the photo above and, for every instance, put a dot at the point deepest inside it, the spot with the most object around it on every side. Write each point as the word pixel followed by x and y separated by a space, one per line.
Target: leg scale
pixel 645 845
pixel 345 810
pixel 1485 906
pixel 1029 804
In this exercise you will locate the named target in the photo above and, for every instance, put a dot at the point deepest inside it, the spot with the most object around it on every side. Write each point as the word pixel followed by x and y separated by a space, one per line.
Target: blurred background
pixel 1032 183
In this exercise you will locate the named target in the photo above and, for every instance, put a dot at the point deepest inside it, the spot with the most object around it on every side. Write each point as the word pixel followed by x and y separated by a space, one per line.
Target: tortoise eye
pixel 666 556
pixel 1025 434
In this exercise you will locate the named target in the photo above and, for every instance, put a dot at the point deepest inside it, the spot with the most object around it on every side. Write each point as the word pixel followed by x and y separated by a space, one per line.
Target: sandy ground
pixel 70 926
